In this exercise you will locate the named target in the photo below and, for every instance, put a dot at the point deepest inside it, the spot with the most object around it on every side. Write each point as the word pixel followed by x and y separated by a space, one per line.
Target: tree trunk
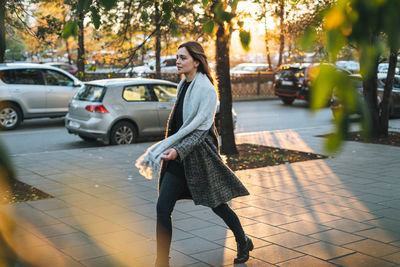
pixel 385 104
pixel 282 36
pixel 68 51
pixel 370 86
pixel 2 30
pixel 267 46
pixel 158 40
pixel 228 145
pixel 81 47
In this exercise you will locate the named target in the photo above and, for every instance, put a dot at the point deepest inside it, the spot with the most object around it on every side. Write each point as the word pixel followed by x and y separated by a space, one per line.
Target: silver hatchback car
pixel 117 111
pixel 29 90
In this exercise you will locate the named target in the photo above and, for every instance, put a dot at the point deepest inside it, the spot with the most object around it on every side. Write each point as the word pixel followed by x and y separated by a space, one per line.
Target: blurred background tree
pixel 371 27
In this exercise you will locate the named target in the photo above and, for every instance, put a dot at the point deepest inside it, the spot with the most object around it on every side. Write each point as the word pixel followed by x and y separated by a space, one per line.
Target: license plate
pixel 74 124
pixel 287 83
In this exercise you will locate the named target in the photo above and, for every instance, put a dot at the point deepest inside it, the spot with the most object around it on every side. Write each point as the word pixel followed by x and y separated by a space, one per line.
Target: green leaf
pixel 245 38
pixel 234 4
pixel 108 4
pixel 209 27
pixel 308 39
pixel 95 14
pixel 205 2
pixel 70 29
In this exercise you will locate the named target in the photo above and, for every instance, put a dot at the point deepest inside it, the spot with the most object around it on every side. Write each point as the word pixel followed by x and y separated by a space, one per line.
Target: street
pixel 42 135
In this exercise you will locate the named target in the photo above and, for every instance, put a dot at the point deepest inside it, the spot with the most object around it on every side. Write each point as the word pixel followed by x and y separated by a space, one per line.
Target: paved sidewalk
pixel 344 210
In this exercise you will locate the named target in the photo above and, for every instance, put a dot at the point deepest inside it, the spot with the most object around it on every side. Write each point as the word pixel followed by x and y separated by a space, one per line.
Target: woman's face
pixel 185 63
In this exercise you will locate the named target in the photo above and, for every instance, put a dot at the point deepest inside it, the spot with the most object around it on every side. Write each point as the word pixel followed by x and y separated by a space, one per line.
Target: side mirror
pixel 77 84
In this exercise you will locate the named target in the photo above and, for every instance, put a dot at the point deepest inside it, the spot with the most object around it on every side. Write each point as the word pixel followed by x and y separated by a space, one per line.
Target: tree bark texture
pixel 158 39
pixel 81 46
pixel 228 145
pixel 282 33
pixel 387 92
pixel 2 30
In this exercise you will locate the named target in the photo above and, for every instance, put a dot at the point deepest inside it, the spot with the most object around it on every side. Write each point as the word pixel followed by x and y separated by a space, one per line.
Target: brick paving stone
pixel 372 248
pixel 306 261
pixel 71 240
pixel 359 259
pixel 275 219
pixel 191 224
pixel 324 250
pixel 216 257
pixel 382 235
pixel 348 225
pixel 105 261
pixel 358 216
pixel 316 217
pixel 289 210
pixel 386 223
pixel 337 237
pixel 261 230
pixel 56 229
pixel 230 242
pixel 212 233
pixel 87 251
pixel 119 239
pixel 395 257
pixel 302 202
pixel 290 239
pixel 252 262
pixel 194 245
pixel 251 212
pixel 305 228
pixel 275 254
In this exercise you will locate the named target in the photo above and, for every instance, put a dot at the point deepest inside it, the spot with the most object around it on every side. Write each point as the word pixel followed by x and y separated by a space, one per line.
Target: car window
pixel 291 73
pixel 28 76
pixel 137 93
pixel 7 76
pixel 90 93
pixel 165 93
pixel 170 62
pixel 52 77
pixel 382 82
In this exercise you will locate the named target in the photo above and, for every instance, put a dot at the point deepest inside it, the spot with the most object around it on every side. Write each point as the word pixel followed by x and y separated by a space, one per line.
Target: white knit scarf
pixel 199 106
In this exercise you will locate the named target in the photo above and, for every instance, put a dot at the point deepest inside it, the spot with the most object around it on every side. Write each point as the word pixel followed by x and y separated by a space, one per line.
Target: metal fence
pixel 243 85
pixel 253 85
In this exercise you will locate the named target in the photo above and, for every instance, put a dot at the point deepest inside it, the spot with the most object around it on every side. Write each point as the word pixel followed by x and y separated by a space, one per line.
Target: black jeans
pixel 172 188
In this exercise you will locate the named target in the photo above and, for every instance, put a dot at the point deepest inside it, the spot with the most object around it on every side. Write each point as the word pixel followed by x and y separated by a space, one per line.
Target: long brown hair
pixel 196 51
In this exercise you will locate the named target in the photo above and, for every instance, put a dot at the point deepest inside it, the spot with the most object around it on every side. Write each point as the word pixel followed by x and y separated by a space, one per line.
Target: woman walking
pixel 188 161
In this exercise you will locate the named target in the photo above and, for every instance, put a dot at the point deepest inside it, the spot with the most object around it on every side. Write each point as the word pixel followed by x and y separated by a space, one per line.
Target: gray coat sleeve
pixel 188 143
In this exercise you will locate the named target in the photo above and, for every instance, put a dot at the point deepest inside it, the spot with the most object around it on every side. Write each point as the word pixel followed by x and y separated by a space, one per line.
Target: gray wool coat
pixel 209 180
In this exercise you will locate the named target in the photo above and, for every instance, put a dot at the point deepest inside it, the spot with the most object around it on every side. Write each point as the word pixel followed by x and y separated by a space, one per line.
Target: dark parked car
pixel 293 81
pixel 394 103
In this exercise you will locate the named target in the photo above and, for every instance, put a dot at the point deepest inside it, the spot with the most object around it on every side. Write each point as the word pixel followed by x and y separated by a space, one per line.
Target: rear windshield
pixel 90 93
pixel 292 72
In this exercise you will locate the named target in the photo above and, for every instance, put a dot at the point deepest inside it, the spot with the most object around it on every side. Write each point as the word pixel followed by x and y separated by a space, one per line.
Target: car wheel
pixel 123 133
pixel 87 139
pixel 10 116
pixel 287 100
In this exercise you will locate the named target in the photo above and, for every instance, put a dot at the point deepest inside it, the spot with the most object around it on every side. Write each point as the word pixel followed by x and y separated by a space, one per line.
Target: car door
pixel 166 96
pixel 28 87
pixel 141 106
pixel 59 91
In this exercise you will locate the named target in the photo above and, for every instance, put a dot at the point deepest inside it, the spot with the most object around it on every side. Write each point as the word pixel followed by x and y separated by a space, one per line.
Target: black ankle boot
pixel 243 250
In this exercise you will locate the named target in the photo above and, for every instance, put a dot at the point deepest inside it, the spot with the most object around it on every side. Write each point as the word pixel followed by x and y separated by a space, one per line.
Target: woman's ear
pixel 196 63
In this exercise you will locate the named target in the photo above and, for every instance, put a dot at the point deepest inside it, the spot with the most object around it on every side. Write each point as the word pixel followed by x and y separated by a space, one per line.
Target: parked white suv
pixel 29 90
pixel 167 64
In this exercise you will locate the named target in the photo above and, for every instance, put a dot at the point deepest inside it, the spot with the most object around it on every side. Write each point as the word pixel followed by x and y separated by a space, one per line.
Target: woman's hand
pixel 170 154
